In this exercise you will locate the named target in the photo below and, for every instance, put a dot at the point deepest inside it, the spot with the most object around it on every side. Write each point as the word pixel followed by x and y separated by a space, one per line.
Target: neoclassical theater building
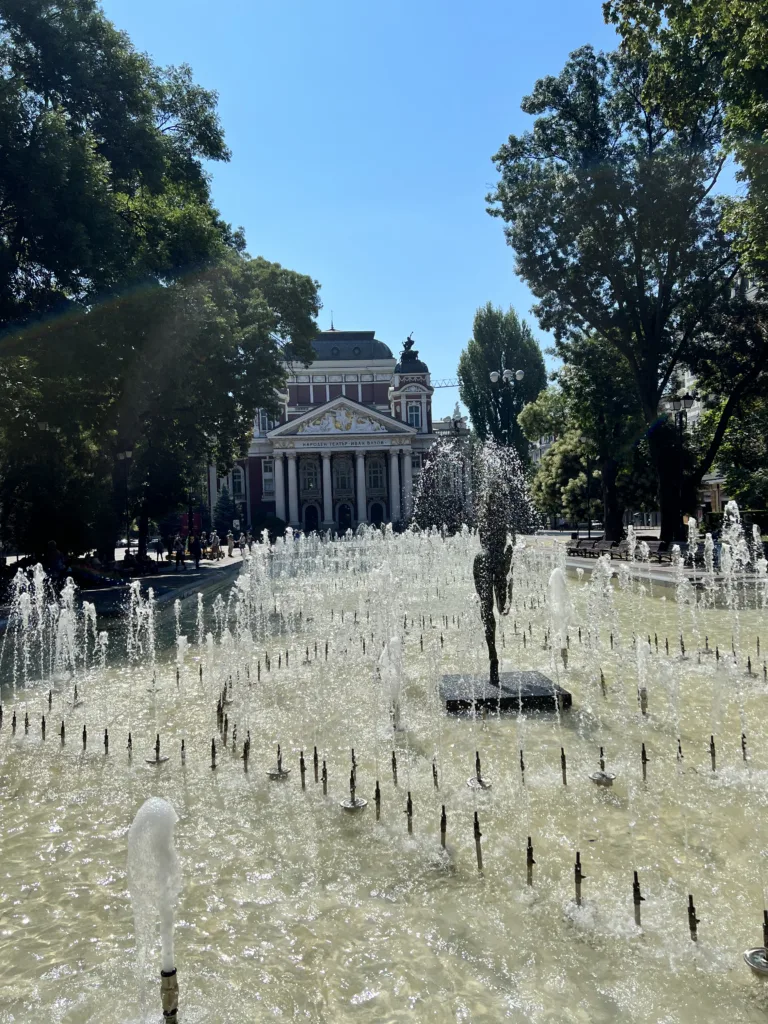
pixel 347 448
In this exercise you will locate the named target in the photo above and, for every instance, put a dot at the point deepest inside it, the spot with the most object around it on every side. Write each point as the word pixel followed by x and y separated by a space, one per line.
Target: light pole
pixel 680 405
pixel 588 460
pixel 125 456
pixel 504 380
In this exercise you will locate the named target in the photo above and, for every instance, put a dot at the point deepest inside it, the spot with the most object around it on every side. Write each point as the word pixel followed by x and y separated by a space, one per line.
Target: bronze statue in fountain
pixel 493 572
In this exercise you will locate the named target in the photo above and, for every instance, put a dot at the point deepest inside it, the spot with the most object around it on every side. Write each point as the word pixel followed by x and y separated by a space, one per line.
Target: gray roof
pixel 350 345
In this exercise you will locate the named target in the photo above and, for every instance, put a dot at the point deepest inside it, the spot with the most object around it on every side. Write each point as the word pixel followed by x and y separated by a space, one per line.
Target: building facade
pixel 348 444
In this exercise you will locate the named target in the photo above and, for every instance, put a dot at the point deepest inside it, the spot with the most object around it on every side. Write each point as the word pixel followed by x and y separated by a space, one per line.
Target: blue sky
pixel 361 137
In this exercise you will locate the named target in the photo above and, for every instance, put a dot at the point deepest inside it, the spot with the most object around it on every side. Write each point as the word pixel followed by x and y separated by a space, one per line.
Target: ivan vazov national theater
pixel 348 447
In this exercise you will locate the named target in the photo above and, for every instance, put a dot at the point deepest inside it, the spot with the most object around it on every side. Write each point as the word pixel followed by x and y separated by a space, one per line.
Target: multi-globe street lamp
pixel 505 379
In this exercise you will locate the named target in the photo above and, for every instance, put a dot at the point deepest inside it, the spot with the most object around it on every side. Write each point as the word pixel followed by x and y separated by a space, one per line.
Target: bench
pixel 582 547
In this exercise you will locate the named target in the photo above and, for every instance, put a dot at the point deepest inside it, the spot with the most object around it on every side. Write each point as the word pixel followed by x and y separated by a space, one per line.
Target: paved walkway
pixel 168 583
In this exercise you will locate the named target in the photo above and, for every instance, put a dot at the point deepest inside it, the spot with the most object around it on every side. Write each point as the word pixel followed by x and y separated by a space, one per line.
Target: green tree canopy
pixel 500 341
pixel 702 53
pixel 130 314
pixel 612 218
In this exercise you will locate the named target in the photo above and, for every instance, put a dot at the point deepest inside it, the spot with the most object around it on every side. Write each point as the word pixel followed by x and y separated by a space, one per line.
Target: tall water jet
pixel 155 881
pixel 391 673
pixel 560 611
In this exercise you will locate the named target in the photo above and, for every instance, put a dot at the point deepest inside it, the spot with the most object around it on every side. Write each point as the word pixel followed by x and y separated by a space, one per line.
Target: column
pixel 407 484
pixel 423 427
pixel 394 485
pixel 279 487
pixel 327 495
pixel 293 490
pixel 362 510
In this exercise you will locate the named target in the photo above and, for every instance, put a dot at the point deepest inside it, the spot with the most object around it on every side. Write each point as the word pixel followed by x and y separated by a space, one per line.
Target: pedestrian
pixel 249 539
pixel 178 547
pixel 195 550
pixel 159 549
pixel 204 544
pixel 215 546
pixel 230 544
pixel 241 543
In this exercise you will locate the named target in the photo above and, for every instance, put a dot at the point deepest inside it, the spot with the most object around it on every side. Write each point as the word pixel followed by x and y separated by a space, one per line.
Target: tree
pixel 130 314
pixel 595 412
pixel 615 229
pixel 743 455
pixel 701 52
pixel 546 416
pixel 500 341
pixel 224 513
pixel 102 179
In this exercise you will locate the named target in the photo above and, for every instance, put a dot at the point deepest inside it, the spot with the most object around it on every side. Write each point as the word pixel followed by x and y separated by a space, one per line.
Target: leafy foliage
pixel 130 314
pixel 612 218
pixel 500 340
pixel 707 52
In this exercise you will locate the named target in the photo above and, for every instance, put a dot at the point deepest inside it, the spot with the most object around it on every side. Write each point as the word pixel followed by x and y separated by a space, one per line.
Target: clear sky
pixel 361 136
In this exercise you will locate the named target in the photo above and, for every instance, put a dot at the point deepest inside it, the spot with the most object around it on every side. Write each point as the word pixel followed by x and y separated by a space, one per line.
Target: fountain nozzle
pixel 169 993
pixel 693 921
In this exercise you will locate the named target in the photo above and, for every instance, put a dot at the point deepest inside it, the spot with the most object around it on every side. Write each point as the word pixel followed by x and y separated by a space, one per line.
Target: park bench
pixel 620 550
pixel 602 547
pixel 582 547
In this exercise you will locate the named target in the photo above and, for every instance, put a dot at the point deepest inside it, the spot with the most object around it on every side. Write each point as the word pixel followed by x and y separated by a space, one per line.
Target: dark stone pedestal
pixel 529 691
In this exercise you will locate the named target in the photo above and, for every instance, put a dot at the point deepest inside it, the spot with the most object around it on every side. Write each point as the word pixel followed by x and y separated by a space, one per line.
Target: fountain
pixel 296 903
pixel 155 881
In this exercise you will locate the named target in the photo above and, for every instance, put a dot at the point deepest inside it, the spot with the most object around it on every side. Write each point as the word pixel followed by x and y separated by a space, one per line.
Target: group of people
pixel 203 546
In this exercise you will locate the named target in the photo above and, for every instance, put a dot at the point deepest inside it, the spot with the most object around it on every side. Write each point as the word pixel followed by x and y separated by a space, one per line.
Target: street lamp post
pixel 505 379
pixel 680 405
pixel 588 460
pixel 125 456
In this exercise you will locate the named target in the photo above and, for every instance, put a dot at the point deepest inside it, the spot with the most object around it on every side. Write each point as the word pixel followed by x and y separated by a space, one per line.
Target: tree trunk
pixel 666 456
pixel 613 507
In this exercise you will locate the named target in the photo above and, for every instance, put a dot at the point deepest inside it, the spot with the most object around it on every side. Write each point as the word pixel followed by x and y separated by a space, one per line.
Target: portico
pixel 342 460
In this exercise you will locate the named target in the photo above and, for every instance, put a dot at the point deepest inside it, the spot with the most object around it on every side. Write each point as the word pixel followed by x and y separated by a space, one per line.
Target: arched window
pixel 375 474
pixel 238 482
pixel 414 415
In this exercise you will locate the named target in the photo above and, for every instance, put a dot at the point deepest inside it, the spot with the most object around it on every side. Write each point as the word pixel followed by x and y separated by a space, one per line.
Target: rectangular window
pixel 268 476
pixel 266 423
pixel 414 414
pixel 238 482
pixel 375 475
pixel 416 463
pixel 309 475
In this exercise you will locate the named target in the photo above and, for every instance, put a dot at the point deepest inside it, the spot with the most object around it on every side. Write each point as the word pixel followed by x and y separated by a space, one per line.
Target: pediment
pixel 341 417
